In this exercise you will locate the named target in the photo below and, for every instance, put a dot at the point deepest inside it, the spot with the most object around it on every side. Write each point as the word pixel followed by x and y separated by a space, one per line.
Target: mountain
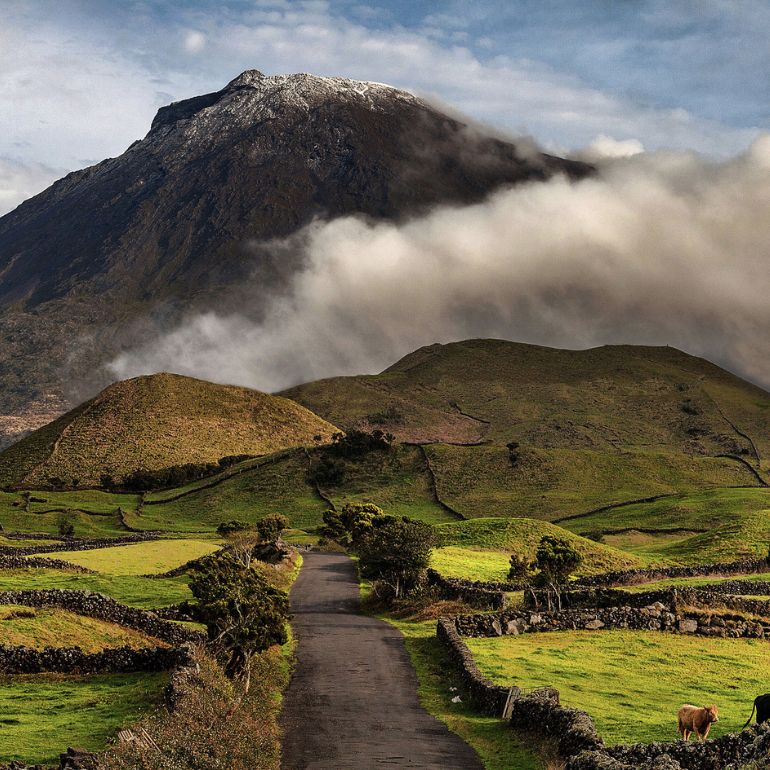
pixel 155 422
pixel 111 253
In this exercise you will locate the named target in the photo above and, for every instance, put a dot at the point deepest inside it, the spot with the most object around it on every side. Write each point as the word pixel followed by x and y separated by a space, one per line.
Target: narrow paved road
pixel 352 702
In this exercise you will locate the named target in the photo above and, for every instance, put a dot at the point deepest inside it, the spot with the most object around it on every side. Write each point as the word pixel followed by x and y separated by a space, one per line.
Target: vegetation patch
pixel 133 590
pixel 632 683
pixel 148 558
pixel 48 627
pixel 43 714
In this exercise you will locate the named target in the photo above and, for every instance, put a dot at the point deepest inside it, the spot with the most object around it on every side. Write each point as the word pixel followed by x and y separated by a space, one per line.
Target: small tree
pixel 66 526
pixel 270 527
pixel 243 613
pixel 350 524
pixel 396 552
pixel 520 568
pixel 555 560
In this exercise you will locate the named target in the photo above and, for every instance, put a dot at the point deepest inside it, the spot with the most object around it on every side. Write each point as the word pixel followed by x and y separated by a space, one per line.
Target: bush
pixel 270 527
pixel 243 613
pixel 350 524
pixel 174 475
pixel 396 552
pixel 520 568
pixel 226 528
pixel 66 526
pixel 357 443
pixel 327 472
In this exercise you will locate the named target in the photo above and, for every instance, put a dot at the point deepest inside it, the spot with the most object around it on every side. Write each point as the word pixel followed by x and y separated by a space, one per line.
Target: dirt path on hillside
pixel 352 702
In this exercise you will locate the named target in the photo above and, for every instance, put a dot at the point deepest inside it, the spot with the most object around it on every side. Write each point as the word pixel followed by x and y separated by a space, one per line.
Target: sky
pixel 81 79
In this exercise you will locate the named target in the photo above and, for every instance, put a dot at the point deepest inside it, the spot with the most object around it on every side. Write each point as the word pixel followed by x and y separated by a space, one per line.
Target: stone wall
pixel 72 544
pixel 474 594
pixel 673 597
pixel 104 608
pixel 634 576
pixel 16 561
pixel 72 660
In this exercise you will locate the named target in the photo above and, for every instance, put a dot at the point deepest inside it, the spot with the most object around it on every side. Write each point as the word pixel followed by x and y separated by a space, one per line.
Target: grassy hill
pixel 590 427
pixel 612 398
pixel 155 422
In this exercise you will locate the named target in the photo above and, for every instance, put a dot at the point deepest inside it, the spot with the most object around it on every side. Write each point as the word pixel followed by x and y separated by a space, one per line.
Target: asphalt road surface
pixel 352 701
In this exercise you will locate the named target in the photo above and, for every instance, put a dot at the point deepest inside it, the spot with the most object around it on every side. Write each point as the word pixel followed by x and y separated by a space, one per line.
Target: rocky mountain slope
pixel 117 250
pixel 152 423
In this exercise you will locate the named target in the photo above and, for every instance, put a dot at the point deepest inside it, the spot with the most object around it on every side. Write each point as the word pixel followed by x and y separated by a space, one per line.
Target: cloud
pixel 19 181
pixel 194 42
pixel 604 147
pixel 94 73
pixel 660 248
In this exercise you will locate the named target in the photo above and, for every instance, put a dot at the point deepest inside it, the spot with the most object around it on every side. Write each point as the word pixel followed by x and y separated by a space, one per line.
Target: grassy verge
pixel 633 683
pixel 44 713
pixel 497 745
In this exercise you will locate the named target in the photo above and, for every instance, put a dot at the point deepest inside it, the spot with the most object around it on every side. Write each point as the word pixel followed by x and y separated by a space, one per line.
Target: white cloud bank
pixel 657 249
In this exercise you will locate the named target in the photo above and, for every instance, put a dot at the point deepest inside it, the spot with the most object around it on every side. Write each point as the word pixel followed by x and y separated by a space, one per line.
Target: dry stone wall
pixel 104 608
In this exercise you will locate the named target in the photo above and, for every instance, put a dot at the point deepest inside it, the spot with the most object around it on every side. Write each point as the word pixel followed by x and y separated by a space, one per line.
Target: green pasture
pixel 633 683
pixel 148 558
pixel 42 714
pixel 43 627
pixel 133 590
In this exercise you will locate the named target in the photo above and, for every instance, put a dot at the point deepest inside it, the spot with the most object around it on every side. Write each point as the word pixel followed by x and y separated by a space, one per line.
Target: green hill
pixel 585 428
pixel 154 422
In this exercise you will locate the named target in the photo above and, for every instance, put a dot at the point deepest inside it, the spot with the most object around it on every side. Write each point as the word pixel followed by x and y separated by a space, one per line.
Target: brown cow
pixel 698 721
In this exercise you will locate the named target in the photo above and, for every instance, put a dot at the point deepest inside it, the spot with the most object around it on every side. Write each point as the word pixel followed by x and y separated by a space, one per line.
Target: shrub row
pixel 104 608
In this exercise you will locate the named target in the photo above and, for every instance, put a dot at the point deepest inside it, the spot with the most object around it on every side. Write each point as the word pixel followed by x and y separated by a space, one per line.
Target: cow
pixel 762 707
pixel 696 720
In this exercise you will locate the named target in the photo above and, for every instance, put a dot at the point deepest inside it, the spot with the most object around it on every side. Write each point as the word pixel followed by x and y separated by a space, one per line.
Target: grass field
pixel 43 627
pixel 41 715
pixel 133 590
pixel 149 558
pixel 480 549
pixel 633 683
pixel 725 524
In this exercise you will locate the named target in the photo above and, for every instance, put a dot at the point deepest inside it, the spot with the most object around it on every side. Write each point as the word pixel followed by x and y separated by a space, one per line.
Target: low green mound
pixel 155 422
pixel 48 627
pixel 479 549
pixel 43 713
pixel 633 683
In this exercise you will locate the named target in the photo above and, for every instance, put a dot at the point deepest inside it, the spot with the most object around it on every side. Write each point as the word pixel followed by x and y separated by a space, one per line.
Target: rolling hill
pixel 521 430
pixel 155 422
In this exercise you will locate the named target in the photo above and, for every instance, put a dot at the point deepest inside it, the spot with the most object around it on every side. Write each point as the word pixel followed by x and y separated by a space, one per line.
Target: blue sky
pixel 81 79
